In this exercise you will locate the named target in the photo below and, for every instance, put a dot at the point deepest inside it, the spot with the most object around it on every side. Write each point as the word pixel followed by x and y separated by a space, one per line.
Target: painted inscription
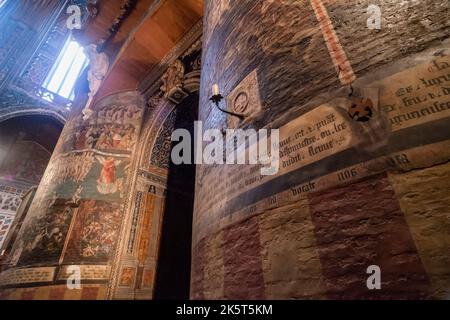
pixel 325 148
pixel 24 276
pixel 88 272
pixel 417 96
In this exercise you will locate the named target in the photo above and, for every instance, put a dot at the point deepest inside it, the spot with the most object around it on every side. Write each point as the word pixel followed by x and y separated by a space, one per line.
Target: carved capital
pixel 173 82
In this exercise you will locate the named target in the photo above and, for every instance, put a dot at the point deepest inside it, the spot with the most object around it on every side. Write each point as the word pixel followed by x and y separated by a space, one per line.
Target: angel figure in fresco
pixel 107 182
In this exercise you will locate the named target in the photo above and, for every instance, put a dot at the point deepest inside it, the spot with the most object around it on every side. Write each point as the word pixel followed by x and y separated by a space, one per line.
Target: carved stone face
pixel 361 109
pixel 241 102
pixel 92 8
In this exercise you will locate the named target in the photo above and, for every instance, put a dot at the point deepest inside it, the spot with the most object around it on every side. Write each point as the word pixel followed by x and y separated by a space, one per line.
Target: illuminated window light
pixel 66 70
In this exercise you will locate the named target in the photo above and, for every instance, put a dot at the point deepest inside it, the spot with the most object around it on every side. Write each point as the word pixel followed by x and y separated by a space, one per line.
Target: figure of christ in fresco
pixel 107 182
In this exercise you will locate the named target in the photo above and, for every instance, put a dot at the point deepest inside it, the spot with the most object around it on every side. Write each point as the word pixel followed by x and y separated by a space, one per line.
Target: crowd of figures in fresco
pixel 95 231
pixel 102 137
pixel 111 128
pixel 73 167
pixel 45 235
pixel 95 227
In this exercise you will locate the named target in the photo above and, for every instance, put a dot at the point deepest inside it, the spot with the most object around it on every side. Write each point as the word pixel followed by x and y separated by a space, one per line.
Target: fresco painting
pixel 76 216
pixel 44 235
pixel 94 233
pixel 110 128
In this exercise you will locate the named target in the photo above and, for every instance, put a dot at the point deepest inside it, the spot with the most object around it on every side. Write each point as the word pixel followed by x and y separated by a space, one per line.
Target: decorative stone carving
pixel 173 82
pixel 99 65
pixel 197 63
pixel 125 10
pixel 192 81
pixel 183 48
pixel 240 103
pixel 92 8
pixel 244 99
pixel 9 202
pixel 196 46
pixel 155 100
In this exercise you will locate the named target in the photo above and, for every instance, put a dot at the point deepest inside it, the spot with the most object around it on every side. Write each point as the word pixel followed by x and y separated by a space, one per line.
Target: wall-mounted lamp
pixel 217 97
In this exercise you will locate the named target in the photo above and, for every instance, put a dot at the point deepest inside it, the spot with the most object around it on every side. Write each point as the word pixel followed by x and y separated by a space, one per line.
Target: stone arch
pixel 31 112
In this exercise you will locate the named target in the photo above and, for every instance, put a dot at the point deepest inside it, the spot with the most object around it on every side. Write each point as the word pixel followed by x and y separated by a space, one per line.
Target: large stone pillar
pixel 77 213
pixel 349 194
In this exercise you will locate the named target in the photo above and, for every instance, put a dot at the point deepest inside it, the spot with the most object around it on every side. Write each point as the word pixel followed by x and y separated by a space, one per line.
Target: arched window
pixel 66 70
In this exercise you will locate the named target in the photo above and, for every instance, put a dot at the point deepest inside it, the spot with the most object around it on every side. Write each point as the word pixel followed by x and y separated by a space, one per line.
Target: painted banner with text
pixel 325 148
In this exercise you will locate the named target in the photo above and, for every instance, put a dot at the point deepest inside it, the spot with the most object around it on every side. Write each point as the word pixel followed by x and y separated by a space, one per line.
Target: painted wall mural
pixel 10 198
pixel 94 234
pixel 111 127
pixel 77 212
pixel 140 247
pixel 5 224
pixel 45 234
pixel 138 263
pixel 72 167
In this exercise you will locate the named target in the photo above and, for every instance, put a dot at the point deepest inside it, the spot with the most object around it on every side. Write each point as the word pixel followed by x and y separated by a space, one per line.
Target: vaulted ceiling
pixel 145 38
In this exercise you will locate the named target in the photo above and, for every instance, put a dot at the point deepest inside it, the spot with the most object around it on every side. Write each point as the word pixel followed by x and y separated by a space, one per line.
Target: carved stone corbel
pixel 92 8
pixel 192 78
pixel 192 81
pixel 173 82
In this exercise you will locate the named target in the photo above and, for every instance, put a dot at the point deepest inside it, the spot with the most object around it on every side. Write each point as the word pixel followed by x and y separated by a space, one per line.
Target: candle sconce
pixel 217 98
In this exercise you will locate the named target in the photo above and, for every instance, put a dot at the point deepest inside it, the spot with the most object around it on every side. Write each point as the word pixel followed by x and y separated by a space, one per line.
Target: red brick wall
pixel 319 245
